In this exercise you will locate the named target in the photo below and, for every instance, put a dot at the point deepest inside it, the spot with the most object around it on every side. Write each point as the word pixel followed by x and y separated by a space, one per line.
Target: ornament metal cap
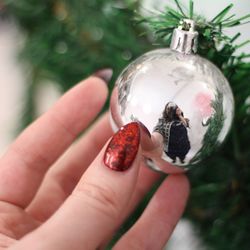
pixel 185 38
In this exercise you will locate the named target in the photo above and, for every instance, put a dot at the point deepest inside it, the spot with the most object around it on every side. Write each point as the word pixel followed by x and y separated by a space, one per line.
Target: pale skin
pixel 55 195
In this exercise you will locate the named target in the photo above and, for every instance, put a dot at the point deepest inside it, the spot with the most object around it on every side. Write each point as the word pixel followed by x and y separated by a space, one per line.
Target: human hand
pixel 179 112
pixel 187 122
pixel 53 196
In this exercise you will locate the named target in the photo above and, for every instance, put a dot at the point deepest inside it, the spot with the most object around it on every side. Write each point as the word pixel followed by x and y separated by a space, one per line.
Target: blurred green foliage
pixel 68 40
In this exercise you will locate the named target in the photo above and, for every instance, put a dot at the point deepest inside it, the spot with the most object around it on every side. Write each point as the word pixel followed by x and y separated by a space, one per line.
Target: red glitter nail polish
pixel 123 147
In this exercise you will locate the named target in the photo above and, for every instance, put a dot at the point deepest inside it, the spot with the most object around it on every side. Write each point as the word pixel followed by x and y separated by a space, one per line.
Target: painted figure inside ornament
pixel 172 126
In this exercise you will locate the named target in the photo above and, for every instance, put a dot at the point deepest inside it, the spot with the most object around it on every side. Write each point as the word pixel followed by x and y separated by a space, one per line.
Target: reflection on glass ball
pixel 184 99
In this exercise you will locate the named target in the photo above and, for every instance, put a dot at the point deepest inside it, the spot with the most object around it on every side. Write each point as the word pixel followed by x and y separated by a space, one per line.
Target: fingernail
pixel 144 129
pixel 104 74
pixel 123 148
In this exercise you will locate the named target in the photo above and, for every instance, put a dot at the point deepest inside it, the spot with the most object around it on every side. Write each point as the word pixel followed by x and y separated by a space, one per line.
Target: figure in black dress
pixel 173 128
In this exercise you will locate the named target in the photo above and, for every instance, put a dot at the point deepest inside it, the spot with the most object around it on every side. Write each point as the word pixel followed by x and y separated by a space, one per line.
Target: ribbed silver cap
pixel 185 38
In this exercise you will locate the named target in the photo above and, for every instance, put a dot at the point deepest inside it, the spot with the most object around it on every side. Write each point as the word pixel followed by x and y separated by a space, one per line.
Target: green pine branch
pixel 211 32
pixel 216 122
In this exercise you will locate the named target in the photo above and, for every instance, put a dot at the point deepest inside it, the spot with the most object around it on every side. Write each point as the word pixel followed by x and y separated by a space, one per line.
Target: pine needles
pixel 211 32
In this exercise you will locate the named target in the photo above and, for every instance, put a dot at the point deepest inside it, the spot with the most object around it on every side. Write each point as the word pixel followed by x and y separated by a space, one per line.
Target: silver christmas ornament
pixel 183 99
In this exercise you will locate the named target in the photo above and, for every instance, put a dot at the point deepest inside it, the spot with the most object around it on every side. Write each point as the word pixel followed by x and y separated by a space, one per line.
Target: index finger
pixel 24 165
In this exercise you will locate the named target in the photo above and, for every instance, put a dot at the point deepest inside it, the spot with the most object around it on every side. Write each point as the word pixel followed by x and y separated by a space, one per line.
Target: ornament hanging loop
pixel 185 38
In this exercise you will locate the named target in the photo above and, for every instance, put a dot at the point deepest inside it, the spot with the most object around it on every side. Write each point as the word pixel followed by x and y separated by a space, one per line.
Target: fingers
pixel 90 214
pixel 23 166
pixel 62 178
pixel 65 174
pixel 146 179
pixel 158 221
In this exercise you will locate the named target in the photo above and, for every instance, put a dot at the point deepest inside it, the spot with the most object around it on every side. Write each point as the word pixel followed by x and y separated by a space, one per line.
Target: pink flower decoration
pixel 202 102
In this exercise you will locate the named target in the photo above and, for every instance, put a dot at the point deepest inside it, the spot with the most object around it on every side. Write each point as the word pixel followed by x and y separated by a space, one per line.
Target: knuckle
pixel 103 199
